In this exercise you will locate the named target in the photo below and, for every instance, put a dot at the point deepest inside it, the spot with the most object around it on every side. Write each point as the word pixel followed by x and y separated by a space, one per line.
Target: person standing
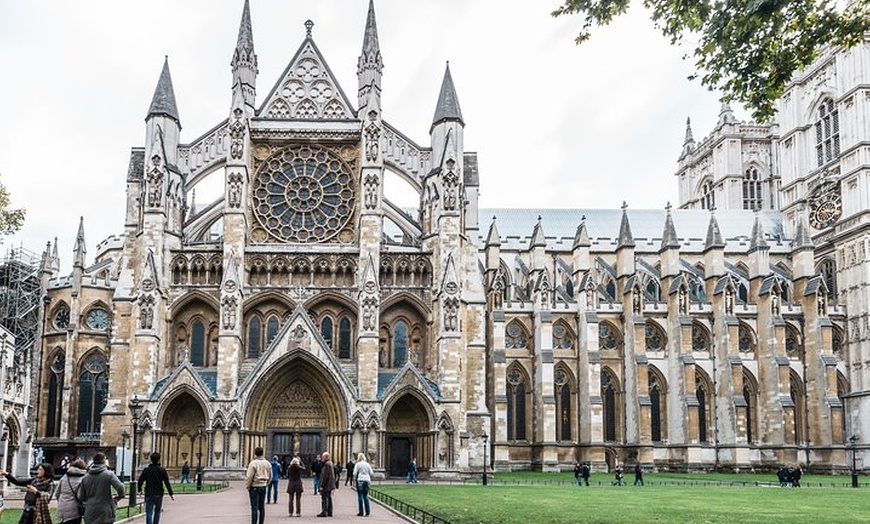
pixel 185 473
pixel 327 484
pixel 362 473
pixel 578 474
pixel 316 468
pixel 95 492
pixel 412 472
pixel 617 476
pixel 348 468
pixel 585 473
pixel 294 485
pixel 258 476
pixel 638 475
pixel 154 476
pixel 39 490
pixel 272 493
pixel 70 509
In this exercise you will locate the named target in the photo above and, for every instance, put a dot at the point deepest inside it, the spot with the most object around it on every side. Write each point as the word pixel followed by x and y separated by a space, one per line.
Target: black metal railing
pixel 412 512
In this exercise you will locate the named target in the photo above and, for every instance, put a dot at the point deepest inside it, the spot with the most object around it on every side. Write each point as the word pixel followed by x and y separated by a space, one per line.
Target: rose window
pixel 303 194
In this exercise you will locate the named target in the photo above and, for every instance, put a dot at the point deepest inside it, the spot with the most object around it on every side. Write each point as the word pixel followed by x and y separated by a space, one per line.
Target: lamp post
pixel 853 441
pixel 124 438
pixel 199 429
pixel 485 456
pixel 135 406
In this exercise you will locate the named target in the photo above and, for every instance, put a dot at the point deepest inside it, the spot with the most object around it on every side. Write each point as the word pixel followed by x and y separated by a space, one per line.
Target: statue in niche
pixel 382 357
pixel 821 304
pixel 146 312
pixel 373 133
pixel 183 353
pixel 774 303
pixel 729 301
pixel 683 301
pixel 229 307
pixel 590 296
pixel 234 190
pixel 637 302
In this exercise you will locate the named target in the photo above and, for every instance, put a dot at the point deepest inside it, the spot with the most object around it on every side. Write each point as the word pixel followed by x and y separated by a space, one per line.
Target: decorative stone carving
pixel 146 311
pixel 370 308
pixel 451 314
pixel 370 193
pixel 228 309
pixel 237 134
pixel 451 183
pixel 234 190
pixel 373 135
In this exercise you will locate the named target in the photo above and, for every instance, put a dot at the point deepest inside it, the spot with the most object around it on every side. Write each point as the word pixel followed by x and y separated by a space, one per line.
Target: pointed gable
pixel 448 102
pixel 307 90
pixel 163 101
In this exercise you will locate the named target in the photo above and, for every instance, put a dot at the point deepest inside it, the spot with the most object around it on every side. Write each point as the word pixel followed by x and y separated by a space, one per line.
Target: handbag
pixel 79 503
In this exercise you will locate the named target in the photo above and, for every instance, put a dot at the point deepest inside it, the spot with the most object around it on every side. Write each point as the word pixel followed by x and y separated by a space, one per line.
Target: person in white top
pixel 362 474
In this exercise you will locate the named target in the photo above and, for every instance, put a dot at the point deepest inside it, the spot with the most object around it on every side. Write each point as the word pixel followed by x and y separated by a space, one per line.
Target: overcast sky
pixel 554 124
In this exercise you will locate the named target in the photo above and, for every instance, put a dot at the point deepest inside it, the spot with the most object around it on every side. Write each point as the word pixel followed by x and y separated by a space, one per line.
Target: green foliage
pixel 635 505
pixel 11 220
pixel 748 49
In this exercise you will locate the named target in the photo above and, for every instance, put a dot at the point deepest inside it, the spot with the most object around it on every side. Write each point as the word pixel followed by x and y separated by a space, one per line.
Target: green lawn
pixel 534 477
pixel 563 504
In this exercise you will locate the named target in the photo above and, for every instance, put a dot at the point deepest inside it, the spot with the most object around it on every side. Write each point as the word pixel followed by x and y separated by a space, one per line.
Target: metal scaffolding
pixel 19 300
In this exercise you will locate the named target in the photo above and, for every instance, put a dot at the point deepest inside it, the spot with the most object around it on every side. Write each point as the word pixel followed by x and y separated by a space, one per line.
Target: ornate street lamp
pixel 124 438
pixel 199 429
pixel 485 456
pixel 853 442
pixel 135 406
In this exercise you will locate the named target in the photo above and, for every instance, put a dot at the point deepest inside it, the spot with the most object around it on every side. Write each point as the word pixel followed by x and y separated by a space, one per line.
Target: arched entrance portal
pixel 408 436
pixel 298 409
pixel 179 440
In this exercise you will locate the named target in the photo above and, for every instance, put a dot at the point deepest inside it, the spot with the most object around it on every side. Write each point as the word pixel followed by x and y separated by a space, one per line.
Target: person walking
pixel 617 476
pixel 70 509
pixel 295 486
pixel 585 473
pixel 362 473
pixel 154 477
pixel 638 475
pixel 348 468
pixel 272 493
pixel 95 492
pixel 258 476
pixel 39 491
pixel 185 473
pixel 327 484
pixel 578 474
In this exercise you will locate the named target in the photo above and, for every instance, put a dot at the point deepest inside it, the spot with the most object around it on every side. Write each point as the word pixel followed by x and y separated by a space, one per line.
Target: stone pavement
pixel 232 507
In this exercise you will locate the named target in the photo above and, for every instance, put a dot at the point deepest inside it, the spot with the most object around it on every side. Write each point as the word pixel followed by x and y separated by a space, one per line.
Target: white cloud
pixel 554 124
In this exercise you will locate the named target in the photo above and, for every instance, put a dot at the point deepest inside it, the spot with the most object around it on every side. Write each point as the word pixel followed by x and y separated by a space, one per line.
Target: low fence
pixel 413 512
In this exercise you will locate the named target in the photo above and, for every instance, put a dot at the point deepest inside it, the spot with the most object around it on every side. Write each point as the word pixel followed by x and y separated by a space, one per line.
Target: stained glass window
pixel 400 344
pixel 93 389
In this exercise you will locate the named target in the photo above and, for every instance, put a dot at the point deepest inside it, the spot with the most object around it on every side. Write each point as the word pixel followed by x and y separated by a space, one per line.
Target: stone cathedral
pixel 304 311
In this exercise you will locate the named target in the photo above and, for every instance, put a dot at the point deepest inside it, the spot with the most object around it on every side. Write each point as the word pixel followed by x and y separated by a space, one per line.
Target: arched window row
pixel 261 330
pixel 197 341
pixel 708 196
pixel 197 270
pixel 405 272
pixel 827 128
pixel 338 334
pixel 402 341
pixel 752 197
pixel 283 271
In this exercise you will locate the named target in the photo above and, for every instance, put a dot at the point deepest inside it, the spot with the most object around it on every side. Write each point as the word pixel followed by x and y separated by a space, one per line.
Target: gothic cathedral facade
pixel 304 311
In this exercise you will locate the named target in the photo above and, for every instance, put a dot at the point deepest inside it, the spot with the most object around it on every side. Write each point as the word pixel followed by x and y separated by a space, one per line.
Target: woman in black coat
pixel 39 489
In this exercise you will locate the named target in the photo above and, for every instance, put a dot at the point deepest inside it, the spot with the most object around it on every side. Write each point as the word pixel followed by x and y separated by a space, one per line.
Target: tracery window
pixel 745 339
pixel 303 194
pixel 564 413
pixel 607 337
pixel 837 341
pixel 197 343
pixel 400 344
pixel 708 197
pixel 749 396
pixel 827 132
pixel 751 190
pixel 828 271
pixel 516 336
pixel 344 338
pixel 797 393
pixel 326 330
pixel 609 396
pixel 93 390
pixel 700 338
pixel 793 346
pixel 401 341
pixel 516 404
pixel 262 330
pixel 562 336
pixel 655 398
pixel 55 410
pixel 255 328
pixel 654 337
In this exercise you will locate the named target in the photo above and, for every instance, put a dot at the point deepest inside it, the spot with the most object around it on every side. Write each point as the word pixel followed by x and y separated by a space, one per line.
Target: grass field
pixel 564 504
pixel 534 477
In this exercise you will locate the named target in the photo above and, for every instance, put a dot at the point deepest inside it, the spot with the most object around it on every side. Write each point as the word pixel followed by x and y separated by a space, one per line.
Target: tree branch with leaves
pixel 11 220
pixel 747 49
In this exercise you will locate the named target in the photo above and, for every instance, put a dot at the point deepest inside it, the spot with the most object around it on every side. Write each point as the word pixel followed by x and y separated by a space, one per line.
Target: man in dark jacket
pixel 154 477
pixel 327 484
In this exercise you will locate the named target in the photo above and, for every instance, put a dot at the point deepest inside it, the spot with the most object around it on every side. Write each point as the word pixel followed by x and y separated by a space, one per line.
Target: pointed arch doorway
pixel 408 436
pixel 298 408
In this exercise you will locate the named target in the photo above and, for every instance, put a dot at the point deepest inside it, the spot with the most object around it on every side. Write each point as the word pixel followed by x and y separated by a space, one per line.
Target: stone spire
pixel 370 65
pixel 448 102
pixel 669 235
pixel 55 257
pixel 492 238
pixel 625 237
pixel 163 101
pixel 757 240
pixel 689 142
pixel 80 250
pixel 538 239
pixel 714 236
pixel 244 63
pixel 581 237
pixel 802 239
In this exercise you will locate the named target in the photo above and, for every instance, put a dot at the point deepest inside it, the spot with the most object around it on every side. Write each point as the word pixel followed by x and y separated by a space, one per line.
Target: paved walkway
pixel 232 507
